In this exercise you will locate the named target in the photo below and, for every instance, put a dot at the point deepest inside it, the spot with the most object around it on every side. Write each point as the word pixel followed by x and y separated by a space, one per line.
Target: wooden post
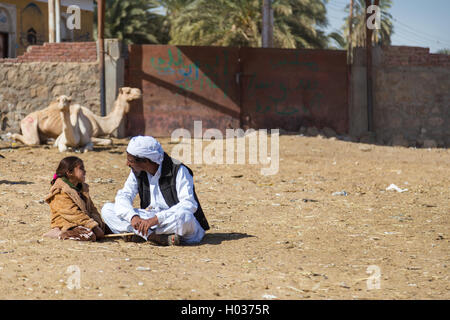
pixel 369 70
pixel 350 58
pixel 101 46
pixel 350 33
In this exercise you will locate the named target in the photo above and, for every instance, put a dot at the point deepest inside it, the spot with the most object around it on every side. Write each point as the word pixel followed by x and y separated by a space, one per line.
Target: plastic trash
pixel 269 296
pixel 143 269
pixel 340 193
pixel 394 187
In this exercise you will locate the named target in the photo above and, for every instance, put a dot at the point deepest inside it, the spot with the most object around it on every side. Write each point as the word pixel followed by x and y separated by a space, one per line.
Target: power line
pixel 420 36
pixel 338 2
pixel 405 30
pixel 338 11
pixel 338 20
pixel 331 6
pixel 334 5
pixel 405 37
pixel 423 33
pixel 417 38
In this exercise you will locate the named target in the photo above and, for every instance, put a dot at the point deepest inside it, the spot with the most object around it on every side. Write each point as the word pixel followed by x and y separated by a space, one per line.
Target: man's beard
pixel 136 172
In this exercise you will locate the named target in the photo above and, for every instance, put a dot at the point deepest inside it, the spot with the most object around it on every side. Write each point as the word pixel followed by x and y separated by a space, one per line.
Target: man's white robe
pixel 178 219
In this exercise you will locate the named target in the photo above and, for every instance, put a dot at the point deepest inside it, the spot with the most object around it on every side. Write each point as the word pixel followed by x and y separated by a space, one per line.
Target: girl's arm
pixel 63 205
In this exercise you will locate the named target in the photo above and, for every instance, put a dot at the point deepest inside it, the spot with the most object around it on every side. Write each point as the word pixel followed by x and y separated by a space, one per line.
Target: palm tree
pixel 306 21
pixel 238 23
pixel 338 38
pixel 381 36
pixel 444 51
pixel 220 22
pixel 173 9
pixel 132 21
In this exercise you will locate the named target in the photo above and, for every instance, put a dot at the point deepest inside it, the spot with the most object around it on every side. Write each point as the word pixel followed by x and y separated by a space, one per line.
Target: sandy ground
pixel 283 236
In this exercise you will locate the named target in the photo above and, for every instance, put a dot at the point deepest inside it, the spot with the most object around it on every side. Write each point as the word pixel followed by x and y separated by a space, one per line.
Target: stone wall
pixel 411 95
pixel 30 82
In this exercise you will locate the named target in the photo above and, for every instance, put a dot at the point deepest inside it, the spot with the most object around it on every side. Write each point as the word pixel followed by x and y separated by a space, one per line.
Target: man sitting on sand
pixel 170 213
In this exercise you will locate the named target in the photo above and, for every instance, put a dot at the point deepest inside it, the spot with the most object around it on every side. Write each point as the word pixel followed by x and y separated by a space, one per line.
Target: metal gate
pixel 231 87
pixel 290 88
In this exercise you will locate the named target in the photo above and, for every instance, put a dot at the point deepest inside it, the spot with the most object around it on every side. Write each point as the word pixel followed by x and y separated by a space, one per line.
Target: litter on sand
pixel 394 187
pixel 143 269
pixel 341 193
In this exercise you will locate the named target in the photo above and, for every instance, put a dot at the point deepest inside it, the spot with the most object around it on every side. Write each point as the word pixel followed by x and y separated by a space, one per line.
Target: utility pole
pixel 350 34
pixel 350 56
pixel 101 46
pixel 267 24
pixel 369 69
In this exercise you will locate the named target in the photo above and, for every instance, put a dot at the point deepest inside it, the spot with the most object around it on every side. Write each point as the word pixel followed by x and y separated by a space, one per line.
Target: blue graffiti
pixel 193 75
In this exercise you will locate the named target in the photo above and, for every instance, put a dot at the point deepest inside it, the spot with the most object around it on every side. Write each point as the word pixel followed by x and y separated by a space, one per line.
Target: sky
pixel 417 23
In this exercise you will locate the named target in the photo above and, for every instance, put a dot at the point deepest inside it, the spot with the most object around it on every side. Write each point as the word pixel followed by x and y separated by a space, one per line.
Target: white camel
pixel 40 125
pixel 76 128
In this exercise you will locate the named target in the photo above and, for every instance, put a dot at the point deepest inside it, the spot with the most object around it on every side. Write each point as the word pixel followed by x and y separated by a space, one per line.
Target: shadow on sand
pixel 209 238
pixel 217 238
pixel 15 182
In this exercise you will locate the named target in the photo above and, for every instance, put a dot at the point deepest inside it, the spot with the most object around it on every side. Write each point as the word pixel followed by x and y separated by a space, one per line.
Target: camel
pixel 104 126
pixel 70 135
pixel 76 128
pixel 40 125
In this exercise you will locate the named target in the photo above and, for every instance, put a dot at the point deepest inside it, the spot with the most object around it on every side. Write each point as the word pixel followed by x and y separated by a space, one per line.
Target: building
pixel 25 22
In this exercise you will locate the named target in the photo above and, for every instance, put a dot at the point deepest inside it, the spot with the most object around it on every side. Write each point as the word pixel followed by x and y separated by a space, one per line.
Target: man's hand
pixel 135 222
pixel 146 224
pixel 99 234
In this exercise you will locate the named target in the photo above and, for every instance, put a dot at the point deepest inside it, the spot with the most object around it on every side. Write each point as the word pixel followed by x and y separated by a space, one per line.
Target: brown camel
pixel 40 125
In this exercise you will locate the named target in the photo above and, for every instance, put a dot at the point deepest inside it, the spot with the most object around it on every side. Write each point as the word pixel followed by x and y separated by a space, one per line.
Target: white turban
pixel 146 147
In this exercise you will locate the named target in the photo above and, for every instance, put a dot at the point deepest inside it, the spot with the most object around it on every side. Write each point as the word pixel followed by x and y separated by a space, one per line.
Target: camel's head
pixel 64 103
pixel 130 94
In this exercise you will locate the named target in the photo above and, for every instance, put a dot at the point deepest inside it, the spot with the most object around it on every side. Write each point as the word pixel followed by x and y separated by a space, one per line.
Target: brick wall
pixel 59 52
pixel 31 81
pixel 411 95
pixel 413 56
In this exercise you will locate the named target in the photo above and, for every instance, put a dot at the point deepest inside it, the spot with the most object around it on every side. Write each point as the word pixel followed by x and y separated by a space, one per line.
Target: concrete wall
pixel 32 81
pixel 411 90
pixel 115 53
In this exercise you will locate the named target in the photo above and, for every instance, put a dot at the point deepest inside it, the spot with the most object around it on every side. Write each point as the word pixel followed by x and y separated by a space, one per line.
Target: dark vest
pixel 167 185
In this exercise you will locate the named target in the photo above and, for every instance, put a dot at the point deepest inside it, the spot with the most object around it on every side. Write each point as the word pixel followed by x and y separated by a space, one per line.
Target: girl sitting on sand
pixel 73 214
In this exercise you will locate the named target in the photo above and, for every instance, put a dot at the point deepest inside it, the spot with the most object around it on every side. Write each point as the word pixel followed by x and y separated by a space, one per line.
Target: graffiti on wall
pixel 274 91
pixel 195 76
pixel 278 96
pixel 311 65
pixel 275 96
